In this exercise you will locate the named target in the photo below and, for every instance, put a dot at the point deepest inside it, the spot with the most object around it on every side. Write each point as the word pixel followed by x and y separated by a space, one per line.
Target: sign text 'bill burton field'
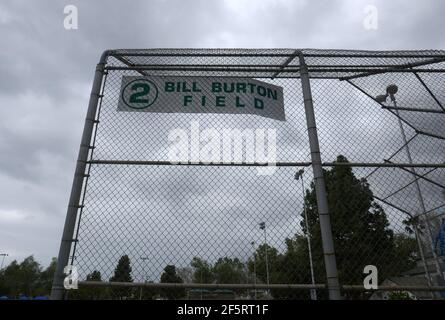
pixel 165 94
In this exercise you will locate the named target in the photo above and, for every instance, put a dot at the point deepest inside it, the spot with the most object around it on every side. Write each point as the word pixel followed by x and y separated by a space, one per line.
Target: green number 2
pixel 136 97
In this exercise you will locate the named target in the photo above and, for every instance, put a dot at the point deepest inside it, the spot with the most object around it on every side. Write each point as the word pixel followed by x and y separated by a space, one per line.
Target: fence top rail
pixel 256 286
pixel 322 63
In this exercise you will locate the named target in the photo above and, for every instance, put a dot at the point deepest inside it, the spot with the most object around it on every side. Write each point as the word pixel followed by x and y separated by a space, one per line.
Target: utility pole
pixel 313 292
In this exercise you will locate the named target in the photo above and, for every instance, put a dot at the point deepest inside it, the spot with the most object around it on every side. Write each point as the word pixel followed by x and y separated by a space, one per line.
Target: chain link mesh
pixel 205 220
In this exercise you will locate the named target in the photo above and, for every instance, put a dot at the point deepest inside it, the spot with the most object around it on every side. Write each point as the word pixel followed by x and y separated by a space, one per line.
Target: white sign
pixel 167 94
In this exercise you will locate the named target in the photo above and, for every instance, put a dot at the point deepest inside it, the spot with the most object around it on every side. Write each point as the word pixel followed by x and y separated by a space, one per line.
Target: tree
pixel 360 229
pixel 148 293
pixel 293 267
pixel 227 270
pixel 170 276
pixel 259 260
pixel 405 253
pixel 21 278
pixel 46 278
pixel 122 273
pixel 186 274
pixel 202 271
pixel 95 293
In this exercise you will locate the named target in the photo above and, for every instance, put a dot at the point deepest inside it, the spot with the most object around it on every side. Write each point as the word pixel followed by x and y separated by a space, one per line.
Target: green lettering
pixel 227 89
pixel 216 87
pixel 241 87
pixel 272 93
pixel 220 101
pixel 252 87
pixel 187 100
pixel 261 91
pixel 169 86
pixel 195 87
pixel 259 104
pixel 238 103
pixel 184 87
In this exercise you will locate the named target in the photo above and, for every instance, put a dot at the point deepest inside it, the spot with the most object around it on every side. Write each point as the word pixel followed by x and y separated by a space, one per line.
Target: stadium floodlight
pixel 4 255
pixel 254 268
pixel 263 227
pixel 381 98
pixel 391 91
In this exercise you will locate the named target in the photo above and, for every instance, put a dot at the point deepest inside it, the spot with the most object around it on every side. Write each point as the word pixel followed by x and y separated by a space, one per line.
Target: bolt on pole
pixel 320 187
pixel 57 291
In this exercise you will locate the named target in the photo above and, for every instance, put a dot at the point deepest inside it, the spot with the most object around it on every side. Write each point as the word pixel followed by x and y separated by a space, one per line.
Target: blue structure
pixel 440 240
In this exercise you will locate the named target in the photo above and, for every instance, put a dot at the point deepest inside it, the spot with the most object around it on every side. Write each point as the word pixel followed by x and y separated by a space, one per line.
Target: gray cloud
pixel 46 73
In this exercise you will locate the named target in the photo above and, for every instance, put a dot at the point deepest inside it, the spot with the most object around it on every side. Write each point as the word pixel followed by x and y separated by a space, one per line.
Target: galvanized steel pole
pixel 436 260
pixel 57 291
pixel 320 187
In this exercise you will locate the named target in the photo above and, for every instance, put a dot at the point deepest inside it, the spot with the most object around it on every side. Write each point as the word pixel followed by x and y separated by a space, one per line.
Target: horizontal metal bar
pixel 215 65
pixel 278 164
pixel 403 68
pixel 414 109
pixel 201 285
pixel 288 66
pixel 168 163
pixel 285 70
pixel 200 68
pixel 376 55
pixel 253 286
pixel 201 54
pixel 393 288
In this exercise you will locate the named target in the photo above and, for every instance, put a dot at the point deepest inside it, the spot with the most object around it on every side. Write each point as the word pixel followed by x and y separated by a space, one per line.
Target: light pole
pixel 4 255
pixel 391 90
pixel 313 292
pixel 254 267
pixel 144 276
pixel 263 227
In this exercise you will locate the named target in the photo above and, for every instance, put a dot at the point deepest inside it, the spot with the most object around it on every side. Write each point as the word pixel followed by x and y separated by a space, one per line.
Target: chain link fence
pixel 145 228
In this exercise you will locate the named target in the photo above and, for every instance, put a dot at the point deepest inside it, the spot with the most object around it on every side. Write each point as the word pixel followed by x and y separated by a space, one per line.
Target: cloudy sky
pixel 46 73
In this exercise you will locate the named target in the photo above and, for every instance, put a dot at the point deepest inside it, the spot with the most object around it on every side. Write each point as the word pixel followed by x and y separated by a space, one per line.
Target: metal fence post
pixel 57 291
pixel 320 187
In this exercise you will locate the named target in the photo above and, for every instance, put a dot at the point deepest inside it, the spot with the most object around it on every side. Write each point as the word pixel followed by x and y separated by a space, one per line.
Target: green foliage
pixel 360 230
pixel 399 295
pixel 260 262
pixel 122 273
pixel 227 270
pixel 46 277
pixel 26 278
pixel 361 233
pixel 170 276
pixel 202 271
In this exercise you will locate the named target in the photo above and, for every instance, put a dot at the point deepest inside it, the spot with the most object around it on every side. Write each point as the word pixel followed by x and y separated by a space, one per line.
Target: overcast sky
pixel 46 73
